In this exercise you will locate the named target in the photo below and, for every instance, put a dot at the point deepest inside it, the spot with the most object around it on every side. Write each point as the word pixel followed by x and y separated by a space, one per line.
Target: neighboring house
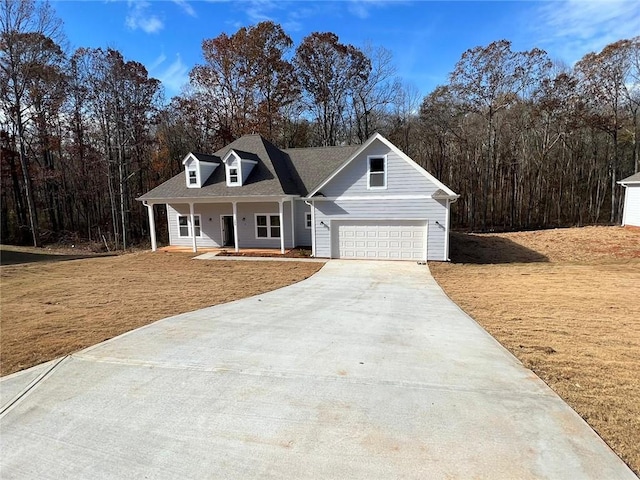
pixel 631 210
pixel 366 201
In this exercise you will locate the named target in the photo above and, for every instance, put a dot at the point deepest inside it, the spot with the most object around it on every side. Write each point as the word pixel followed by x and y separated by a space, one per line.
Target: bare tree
pixel 29 41
pixel 373 97
pixel 330 72
pixel 246 81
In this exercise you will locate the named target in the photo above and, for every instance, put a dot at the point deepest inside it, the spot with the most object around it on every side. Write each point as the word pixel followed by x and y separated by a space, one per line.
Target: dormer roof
pixel 201 157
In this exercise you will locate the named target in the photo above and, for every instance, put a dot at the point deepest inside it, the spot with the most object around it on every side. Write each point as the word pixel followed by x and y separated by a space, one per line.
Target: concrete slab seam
pixel 31 386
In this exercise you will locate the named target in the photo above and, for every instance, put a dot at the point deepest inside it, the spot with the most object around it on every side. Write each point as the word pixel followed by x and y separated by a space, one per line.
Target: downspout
pixel 446 236
pixel 193 227
pixel 313 227
pixel 235 225
pixel 152 225
pixel 293 225
pixel 280 202
pixel 450 201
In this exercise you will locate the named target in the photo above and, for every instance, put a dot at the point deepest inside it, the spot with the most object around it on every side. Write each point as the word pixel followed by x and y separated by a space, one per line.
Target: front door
pixel 228 236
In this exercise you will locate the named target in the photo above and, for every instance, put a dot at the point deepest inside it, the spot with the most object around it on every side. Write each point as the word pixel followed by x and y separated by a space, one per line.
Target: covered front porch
pixel 231 224
pixel 255 252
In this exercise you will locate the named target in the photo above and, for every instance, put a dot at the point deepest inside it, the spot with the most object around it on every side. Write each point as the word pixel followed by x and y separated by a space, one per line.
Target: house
pixel 368 201
pixel 631 210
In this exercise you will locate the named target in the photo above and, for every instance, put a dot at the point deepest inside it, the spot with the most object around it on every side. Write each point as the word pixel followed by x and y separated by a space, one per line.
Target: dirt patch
pixel 292 253
pixel 11 255
pixel 52 309
pixel 573 317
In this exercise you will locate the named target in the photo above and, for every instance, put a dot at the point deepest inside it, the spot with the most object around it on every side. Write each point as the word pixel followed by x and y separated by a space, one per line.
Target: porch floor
pixel 257 252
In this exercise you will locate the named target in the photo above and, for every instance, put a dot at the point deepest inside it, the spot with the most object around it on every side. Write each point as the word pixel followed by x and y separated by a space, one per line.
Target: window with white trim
pixel 233 175
pixel 267 226
pixel 377 172
pixel 193 177
pixel 307 220
pixel 183 225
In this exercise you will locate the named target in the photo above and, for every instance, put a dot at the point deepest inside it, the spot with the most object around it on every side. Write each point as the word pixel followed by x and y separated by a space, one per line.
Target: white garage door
pixel 380 239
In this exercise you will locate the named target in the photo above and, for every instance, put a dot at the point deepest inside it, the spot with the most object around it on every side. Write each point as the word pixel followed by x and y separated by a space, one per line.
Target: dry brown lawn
pixel 565 302
pixel 52 309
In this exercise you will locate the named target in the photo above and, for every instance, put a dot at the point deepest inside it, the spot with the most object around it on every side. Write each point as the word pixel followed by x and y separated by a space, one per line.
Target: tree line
pixel 527 142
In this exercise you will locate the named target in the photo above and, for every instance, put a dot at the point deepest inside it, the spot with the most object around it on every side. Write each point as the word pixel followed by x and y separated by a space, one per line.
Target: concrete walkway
pixel 366 370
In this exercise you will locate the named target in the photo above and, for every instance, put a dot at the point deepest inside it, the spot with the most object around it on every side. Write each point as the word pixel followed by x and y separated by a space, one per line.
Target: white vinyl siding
pixel 211 230
pixel 303 234
pixel 407 197
pixel 210 235
pixel 631 213
pixel 402 178
pixel 390 210
pixel 184 226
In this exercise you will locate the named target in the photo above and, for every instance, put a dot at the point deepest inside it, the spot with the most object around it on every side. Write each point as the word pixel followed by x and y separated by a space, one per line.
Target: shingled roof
pixel 314 165
pixel 635 178
pixel 204 157
pixel 294 171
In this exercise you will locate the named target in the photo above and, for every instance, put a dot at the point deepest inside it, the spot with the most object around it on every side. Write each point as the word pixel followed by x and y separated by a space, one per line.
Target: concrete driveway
pixel 366 370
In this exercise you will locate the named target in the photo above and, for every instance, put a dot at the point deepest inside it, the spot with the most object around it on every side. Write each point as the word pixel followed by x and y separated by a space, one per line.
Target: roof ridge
pixel 318 148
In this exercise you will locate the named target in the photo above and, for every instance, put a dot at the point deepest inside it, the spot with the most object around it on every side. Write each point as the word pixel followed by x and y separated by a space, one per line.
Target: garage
pixel 380 239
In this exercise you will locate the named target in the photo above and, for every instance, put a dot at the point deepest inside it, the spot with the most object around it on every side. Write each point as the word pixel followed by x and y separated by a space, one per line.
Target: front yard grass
pixel 567 304
pixel 52 309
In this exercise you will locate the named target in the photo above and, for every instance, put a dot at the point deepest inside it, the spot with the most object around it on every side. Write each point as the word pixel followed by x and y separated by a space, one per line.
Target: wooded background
pixel 527 142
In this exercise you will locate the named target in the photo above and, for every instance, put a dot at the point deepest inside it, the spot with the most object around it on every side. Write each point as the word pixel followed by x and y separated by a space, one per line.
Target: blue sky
pixel 426 38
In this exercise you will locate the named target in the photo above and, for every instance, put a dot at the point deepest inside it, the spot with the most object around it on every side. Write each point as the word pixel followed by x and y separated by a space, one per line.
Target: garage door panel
pixel 380 239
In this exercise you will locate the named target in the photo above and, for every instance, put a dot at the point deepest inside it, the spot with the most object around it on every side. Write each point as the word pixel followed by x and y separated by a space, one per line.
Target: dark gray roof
pixel 314 165
pixel 632 179
pixel 204 157
pixel 278 172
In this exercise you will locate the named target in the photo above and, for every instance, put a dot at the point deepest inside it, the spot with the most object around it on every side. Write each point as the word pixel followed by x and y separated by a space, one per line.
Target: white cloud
pixel 173 76
pixel 139 17
pixel 157 62
pixel 258 10
pixel 289 14
pixel 362 8
pixel 186 6
pixel 573 28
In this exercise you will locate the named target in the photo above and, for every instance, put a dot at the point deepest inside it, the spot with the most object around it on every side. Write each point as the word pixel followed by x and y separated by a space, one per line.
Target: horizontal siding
pixel 632 205
pixel 303 234
pixel 402 177
pixel 209 223
pixel 212 228
pixel 247 225
pixel 426 209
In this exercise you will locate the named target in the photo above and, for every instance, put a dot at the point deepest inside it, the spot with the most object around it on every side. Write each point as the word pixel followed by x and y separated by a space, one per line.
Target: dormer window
pixel 238 167
pixel 198 167
pixel 233 176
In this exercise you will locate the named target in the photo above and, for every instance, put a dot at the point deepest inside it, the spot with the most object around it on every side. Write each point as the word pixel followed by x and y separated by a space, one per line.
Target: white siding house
pixel 631 210
pixel 367 201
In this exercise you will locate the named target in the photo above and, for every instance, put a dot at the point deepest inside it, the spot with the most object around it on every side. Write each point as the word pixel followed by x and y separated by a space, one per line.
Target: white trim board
pixel 397 151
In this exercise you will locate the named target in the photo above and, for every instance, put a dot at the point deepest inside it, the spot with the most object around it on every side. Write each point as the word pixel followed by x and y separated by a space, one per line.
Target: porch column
pixel 280 202
pixel 152 226
pixel 193 227
pixel 293 225
pixel 235 225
